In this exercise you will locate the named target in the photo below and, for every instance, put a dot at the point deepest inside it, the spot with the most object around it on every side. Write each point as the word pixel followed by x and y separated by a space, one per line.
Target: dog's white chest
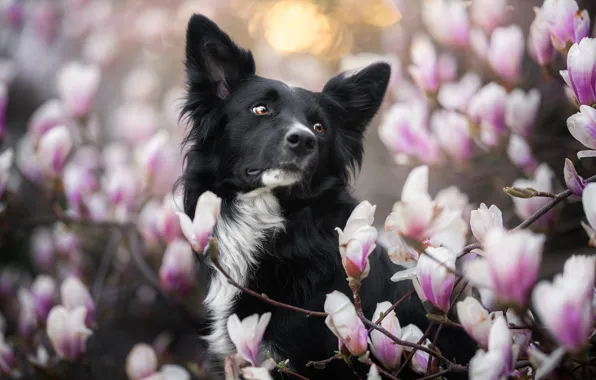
pixel 240 236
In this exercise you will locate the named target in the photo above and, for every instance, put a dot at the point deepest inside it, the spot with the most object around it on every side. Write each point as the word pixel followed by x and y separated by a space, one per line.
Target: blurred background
pixel 132 53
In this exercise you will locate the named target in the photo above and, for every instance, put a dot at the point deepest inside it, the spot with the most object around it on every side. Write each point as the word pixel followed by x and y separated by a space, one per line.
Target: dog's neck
pixel 246 221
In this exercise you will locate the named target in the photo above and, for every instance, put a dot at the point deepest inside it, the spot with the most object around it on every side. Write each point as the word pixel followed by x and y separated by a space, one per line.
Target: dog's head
pixel 249 132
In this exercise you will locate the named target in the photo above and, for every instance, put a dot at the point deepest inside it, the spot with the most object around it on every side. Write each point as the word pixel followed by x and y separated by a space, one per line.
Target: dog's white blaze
pixel 278 177
pixel 240 239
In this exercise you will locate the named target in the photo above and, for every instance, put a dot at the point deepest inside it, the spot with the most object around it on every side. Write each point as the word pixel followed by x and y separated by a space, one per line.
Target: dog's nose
pixel 300 140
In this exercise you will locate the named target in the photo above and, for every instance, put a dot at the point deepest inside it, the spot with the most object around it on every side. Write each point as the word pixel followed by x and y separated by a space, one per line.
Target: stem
pixel 322 363
pixel 436 375
pixel 355 286
pixel 213 254
pixel 288 372
pixel 432 347
pixel 413 352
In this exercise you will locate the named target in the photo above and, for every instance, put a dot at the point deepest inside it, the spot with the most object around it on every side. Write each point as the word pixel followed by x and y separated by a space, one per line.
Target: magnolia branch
pixel 212 251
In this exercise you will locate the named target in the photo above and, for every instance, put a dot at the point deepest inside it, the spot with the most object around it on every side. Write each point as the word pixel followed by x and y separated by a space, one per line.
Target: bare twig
pixel 291 373
pixel 322 363
pixel 213 254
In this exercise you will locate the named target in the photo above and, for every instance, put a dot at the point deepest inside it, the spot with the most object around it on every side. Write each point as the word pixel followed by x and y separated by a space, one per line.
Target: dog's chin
pixel 281 177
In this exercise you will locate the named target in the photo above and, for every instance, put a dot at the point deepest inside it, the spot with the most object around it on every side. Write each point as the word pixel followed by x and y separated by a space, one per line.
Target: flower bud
pixel 67 331
pixel 456 95
pixel 77 87
pixel 565 22
pixel 580 74
pixel 476 320
pixel 487 108
pixel 484 219
pixel 344 323
pixel 574 182
pixel 539 41
pixel 419 363
pixel 73 294
pixel 198 230
pixel 520 154
pixel 453 30
pixel 44 292
pixel 521 110
pixel 141 362
pixel 49 115
pixel 54 147
pixel 435 278
pixel 453 134
pixel 506 51
pixel 27 323
pixel 488 14
pixel 168 222
pixel 383 348
pixel 582 125
pixel 247 335
pixel 425 69
pixel 177 271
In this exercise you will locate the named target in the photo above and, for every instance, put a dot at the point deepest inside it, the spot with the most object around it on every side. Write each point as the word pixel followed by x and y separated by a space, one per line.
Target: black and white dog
pixel 281 159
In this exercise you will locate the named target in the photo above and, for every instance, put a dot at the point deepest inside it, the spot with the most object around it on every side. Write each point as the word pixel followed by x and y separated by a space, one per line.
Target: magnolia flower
pixel 499 360
pixel 27 322
pixel 582 127
pixel 487 109
pixel 485 219
pixel 479 43
pixel 44 292
pixel 456 95
pixel 54 147
pixel 198 230
pixel 521 110
pixel 121 186
pixel 344 323
pixel 420 360
pixel 168 223
pixel 7 358
pixel 589 203
pixel 151 153
pixel 520 154
pixel 141 362
pixel 417 217
pixel 149 224
pixel 77 86
pixel 403 130
pixel 565 304
pixel 74 294
pixel 488 13
pixel 565 22
pixel 452 198
pixel 453 30
pixel 247 335
pixel 357 240
pixel 49 115
pixel 506 51
pixel 79 181
pixel 425 67
pixel 66 241
pixel 67 331
pixel 476 320
pixel 511 265
pixel 539 42
pixel 452 131
pixel 383 348
pixel 177 271
pixel 574 182
pixel 434 278
pixel 6 159
pixel 580 74
pixel 524 208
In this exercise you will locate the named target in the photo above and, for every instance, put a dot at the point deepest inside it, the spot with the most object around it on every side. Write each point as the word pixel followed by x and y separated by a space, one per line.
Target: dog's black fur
pixel 230 146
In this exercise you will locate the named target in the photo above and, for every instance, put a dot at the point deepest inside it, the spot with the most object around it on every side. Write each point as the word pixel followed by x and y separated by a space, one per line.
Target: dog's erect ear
pixel 213 61
pixel 359 94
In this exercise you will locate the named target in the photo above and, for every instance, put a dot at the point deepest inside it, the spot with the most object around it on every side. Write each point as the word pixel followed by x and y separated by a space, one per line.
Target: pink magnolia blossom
pixel 476 320
pixel 425 64
pixel 77 86
pixel 498 361
pixel 456 95
pixel 344 323
pixel 357 241
pixel 582 127
pixel 177 271
pixel 247 335
pixel 44 291
pixel 383 348
pixel 67 331
pixel 149 224
pixel 54 148
pixel 168 223
pixel 199 229
pixel 485 219
pixel 6 160
pixel 539 42
pixel 122 186
pixel 524 208
pixel 565 304
pixel 453 134
pixel 580 74
pixel 74 294
pixel 433 279
pixel 521 111
pixel 27 322
pixel 420 361
pixel 49 115
pixel 487 109
pixel 150 153
pixel 488 14
pixel 566 23
pixel 520 154
pixel 141 362
pixel 453 30
pixel 79 181
pixel 506 51
pixel 574 182
pixel 511 265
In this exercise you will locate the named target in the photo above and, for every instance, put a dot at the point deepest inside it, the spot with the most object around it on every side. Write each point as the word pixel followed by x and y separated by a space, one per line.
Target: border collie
pixel 281 159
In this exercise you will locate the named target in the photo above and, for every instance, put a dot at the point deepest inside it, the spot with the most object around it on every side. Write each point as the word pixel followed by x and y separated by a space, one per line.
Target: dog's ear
pixel 359 94
pixel 213 61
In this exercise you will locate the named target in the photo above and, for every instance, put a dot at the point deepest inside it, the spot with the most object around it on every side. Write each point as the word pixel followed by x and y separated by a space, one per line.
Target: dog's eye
pixel 260 110
pixel 318 127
